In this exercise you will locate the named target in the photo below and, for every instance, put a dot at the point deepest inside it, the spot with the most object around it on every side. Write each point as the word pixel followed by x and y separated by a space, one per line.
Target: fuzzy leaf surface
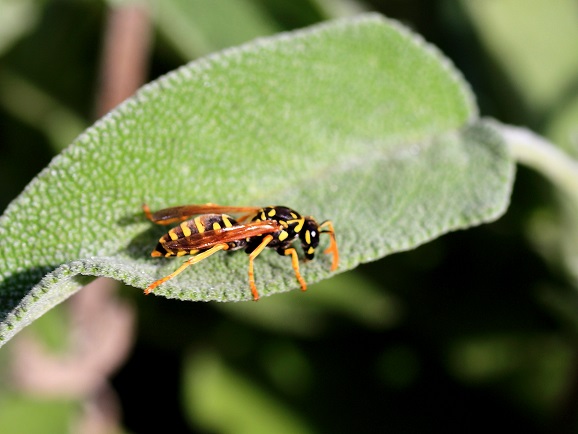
pixel 358 121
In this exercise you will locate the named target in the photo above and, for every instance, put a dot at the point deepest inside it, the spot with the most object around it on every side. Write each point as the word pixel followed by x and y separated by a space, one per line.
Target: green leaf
pixel 358 121
pixel 50 416
pixel 221 400
pixel 563 127
pixel 535 41
pixel 16 18
pixel 291 313
pixel 198 27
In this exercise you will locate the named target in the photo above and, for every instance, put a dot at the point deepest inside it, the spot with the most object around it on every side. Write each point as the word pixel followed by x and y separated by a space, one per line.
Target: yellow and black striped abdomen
pixel 176 241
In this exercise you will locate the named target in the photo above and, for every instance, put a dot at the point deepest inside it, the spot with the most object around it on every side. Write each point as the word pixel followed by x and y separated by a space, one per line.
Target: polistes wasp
pixel 213 230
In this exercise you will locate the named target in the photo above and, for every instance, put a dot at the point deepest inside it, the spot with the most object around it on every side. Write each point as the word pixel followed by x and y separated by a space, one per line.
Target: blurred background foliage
pixel 475 330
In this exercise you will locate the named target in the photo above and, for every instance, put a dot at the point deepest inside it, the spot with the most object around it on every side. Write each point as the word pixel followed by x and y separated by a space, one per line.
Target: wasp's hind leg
pixel 193 260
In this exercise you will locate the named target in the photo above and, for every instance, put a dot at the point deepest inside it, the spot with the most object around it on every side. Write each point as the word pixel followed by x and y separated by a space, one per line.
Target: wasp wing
pixel 208 239
pixel 174 214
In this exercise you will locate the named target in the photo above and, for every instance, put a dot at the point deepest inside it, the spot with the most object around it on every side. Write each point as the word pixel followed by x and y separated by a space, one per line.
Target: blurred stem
pixel 125 54
pixel 534 151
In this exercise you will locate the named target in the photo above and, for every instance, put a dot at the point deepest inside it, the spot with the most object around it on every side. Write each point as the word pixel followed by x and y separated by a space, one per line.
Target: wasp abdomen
pixel 189 228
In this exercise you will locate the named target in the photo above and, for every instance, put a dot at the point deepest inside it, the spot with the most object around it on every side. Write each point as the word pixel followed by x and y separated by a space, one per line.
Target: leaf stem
pixel 534 151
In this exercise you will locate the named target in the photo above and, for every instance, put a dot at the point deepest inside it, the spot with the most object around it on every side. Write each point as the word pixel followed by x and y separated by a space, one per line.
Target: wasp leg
pixel 295 262
pixel 146 209
pixel 266 240
pixel 193 260
pixel 332 249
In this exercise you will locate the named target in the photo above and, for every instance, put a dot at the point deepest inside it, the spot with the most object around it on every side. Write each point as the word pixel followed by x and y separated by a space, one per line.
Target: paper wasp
pixel 213 230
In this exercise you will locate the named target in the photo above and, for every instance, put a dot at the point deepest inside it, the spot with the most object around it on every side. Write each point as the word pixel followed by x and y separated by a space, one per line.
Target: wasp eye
pixel 309 237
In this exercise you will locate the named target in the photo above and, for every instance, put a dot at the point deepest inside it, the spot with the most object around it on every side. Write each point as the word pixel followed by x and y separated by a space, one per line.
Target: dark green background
pixel 475 336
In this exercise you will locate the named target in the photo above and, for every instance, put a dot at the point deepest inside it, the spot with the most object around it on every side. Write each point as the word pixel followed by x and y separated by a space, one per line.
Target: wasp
pixel 213 229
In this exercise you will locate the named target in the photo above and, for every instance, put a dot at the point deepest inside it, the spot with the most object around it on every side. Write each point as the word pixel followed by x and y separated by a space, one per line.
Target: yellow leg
pixel 332 249
pixel 252 256
pixel 193 260
pixel 147 211
pixel 295 263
